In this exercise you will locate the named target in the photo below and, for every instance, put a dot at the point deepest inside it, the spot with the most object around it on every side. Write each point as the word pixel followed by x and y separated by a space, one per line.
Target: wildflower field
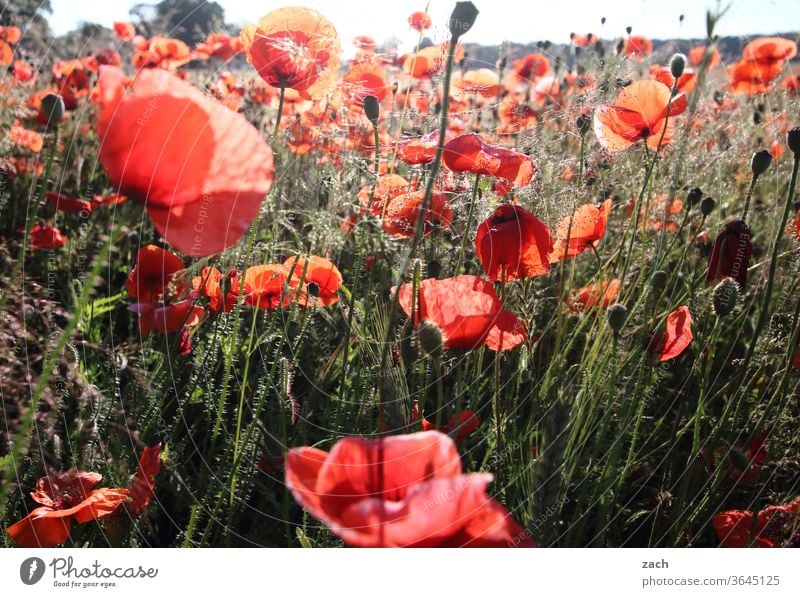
pixel 256 294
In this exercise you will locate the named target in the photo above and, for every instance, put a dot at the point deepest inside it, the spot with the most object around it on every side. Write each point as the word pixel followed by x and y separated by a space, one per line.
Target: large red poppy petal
pixel 506 333
pixel 678 334
pixel 40 529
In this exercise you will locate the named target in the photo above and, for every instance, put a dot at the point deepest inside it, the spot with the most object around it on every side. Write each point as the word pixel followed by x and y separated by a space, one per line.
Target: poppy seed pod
pixel 617 316
pixel 793 141
pixel 676 65
pixel 694 196
pixel 462 18
pixel 724 297
pixel 52 109
pixel 430 338
pixel 660 279
pixel 707 206
pixel 372 108
pixel 760 162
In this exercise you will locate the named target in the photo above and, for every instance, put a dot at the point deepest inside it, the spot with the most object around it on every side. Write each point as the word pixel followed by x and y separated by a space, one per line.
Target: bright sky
pixel 498 21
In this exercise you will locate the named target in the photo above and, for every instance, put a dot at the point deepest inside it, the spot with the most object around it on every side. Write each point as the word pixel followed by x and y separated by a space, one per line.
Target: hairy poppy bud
pixel 707 206
pixel 730 256
pixel 628 29
pixel 760 162
pixel 660 279
pixel 52 109
pixel 371 108
pixel 694 196
pixel 462 18
pixel 724 297
pixel 617 314
pixel 434 269
pixel 793 140
pixel 677 64
pixel 584 124
pixel 430 338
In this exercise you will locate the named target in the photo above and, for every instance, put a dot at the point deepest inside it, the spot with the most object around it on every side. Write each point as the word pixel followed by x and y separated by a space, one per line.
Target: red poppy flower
pixel 219 45
pixel 210 284
pixel 514 243
pixel 6 53
pixel 362 80
pixel 678 334
pixel 752 78
pixel 640 113
pixel 697 54
pixel 141 491
pixel 11 33
pixel 482 81
pixel 161 52
pixel 109 199
pixel 321 280
pixel 430 61
pixel 638 47
pixel 584 228
pixel 769 49
pixel 420 21
pixel 775 526
pixel 22 71
pixel 70 205
pixel 531 66
pixel 469 153
pixel 26 138
pixel 466 424
pixel 730 256
pixel 264 286
pixel 387 188
pixel 603 293
pixel 403 210
pixel 418 150
pixel 400 491
pixel 296 48
pixel 154 270
pixel 663 74
pixel 167 319
pixel 64 497
pixel 200 169
pixel 467 311
pixel 46 237
pixel 125 31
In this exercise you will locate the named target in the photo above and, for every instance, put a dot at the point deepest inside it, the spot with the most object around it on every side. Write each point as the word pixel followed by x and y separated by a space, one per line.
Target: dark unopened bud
pixel 724 297
pixel 660 279
pixel 584 124
pixel 434 268
pixel 677 64
pixel 694 196
pixel 793 141
pixel 707 205
pixel 602 20
pixel 760 162
pixel 372 108
pixel 462 18
pixel 628 29
pixel 52 109
pixel 430 338
pixel 617 316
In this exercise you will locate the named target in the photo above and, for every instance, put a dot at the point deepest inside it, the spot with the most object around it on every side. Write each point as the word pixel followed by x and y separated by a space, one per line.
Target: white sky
pixel 498 21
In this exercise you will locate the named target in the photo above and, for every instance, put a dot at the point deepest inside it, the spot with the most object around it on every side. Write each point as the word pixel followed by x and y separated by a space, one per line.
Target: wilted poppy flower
pixel 125 31
pixel 64 497
pixel 420 21
pixel 141 491
pixel 638 47
pixel 697 54
pixel 466 310
pixel 584 228
pixel 400 491
pixel 512 243
pixel 264 286
pixel 677 335
pixel 730 256
pixel 321 280
pixel 774 526
pixel 155 268
pixel 603 293
pixel 469 153
pixel 67 204
pixel 46 237
pixel 200 169
pixel 403 210
pixel 167 319
pixel 640 113
pixel 294 48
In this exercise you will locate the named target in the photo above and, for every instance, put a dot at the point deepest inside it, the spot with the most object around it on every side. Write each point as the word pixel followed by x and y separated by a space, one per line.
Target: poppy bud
pixel 724 297
pixel 602 20
pixel 52 109
pixel 677 64
pixel 617 315
pixel 629 29
pixel 793 140
pixel 707 206
pixel 730 256
pixel 760 162
pixel 371 108
pixel 462 19
pixel 584 124
pixel 434 268
pixel 430 338
pixel 660 279
pixel 694 196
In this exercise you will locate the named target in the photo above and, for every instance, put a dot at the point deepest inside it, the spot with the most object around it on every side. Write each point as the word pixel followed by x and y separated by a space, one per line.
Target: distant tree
pixel 188 20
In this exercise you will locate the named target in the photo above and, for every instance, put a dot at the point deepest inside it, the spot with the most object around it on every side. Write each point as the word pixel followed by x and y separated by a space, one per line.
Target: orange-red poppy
pixel 161 52
pixel 141 491
pixel 470 153
pixel 364 79
pixel 210 284
pixel 22 71
pixel 753 78
pixel 400 491
pixel 639 113
pixel 264 286
pixel 219 45
pixel 638 47
pixel 482 81
pixel 697 54
pixel 466 310
pixel 730 256
pixel 403 210
pixel 200 169
pixel 430 61
pixel 387 188
pixel 294 48
pixel 155 269
pixel 167 319
pixel 512 244
pixel 774 526
pixel 420 21
pixel 463 426
pixel 11 33
pixel 26 138
pixel 584 227
pixel 582 40
pixel 46 237
pixel 769 49
pixel 68 204
pixel 531 66
pixel 603 294
pixel 64 497
pixel 124 30
pixel 320 277
pixel 6 53
pixel 678 334
pixel 663 74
